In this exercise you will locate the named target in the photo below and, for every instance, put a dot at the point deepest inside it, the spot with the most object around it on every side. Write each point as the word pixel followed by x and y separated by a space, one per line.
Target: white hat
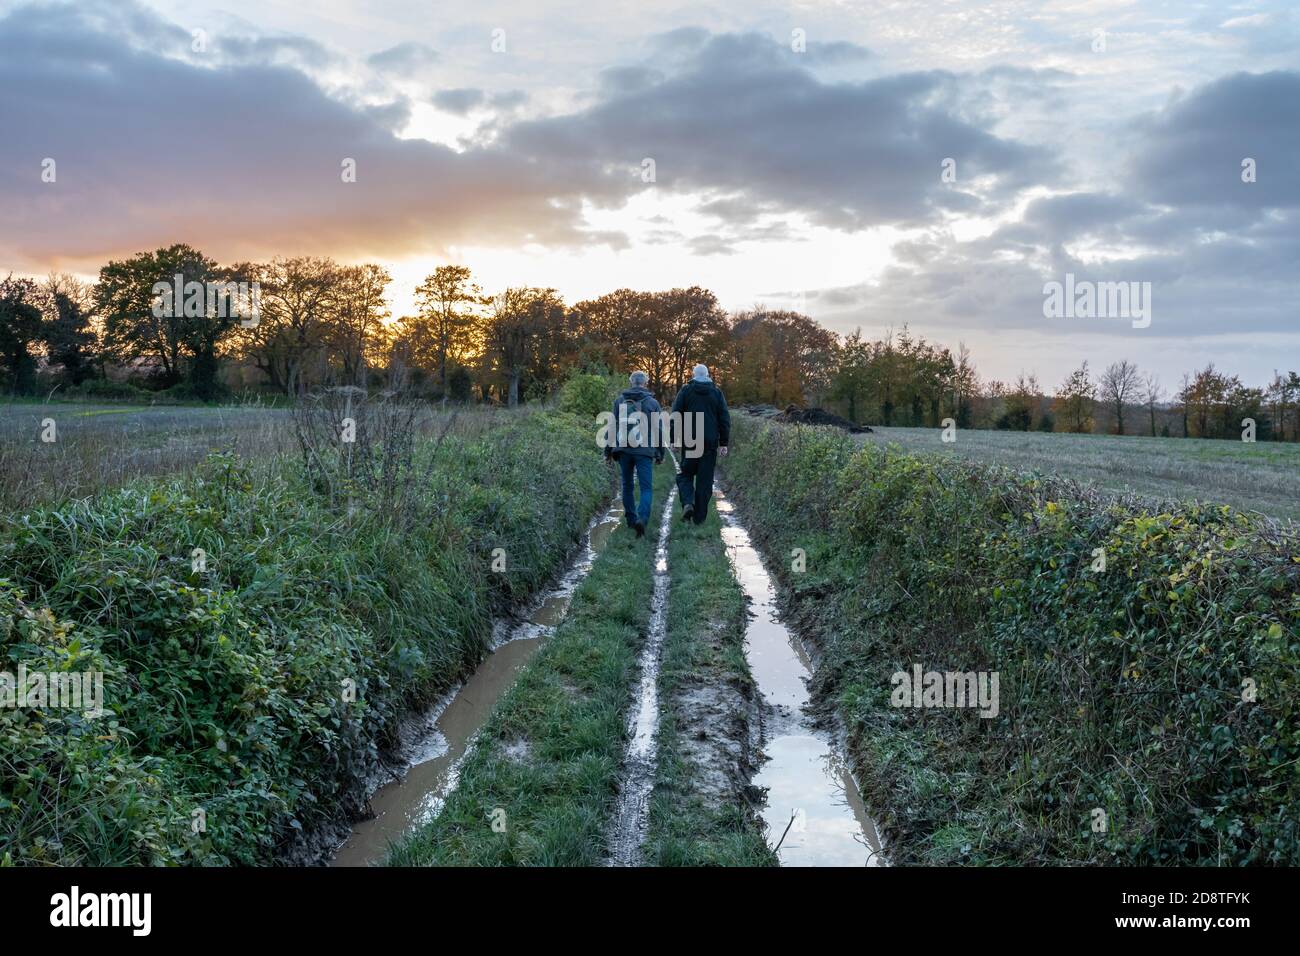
pixel 701 373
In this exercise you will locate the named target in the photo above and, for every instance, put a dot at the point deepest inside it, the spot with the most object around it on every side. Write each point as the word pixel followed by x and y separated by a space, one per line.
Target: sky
pixel 873 165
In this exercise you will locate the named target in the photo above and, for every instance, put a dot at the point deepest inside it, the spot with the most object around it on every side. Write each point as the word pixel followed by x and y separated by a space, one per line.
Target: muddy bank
pixel 408 782
pixel 720 722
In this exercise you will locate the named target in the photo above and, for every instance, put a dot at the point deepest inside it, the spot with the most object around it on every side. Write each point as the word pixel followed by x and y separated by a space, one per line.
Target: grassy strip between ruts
pixel 699 812
pixel 230 727
pixel 1148 703
pixel 544 769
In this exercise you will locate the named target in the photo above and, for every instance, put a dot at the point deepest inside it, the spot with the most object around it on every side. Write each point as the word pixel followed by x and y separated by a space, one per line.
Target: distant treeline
pixel 319 323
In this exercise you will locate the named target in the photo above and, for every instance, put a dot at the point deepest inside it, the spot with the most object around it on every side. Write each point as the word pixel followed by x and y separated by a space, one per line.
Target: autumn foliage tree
pixel 519 334
pixel 778 357
pixel 297 295
pixel 357 334
pixel 448 328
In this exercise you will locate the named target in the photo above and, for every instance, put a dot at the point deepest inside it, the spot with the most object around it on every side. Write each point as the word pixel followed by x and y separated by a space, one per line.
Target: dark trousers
pixel 695 482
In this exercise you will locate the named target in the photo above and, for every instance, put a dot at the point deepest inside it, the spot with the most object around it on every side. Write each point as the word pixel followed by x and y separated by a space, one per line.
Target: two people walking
pixel 704 432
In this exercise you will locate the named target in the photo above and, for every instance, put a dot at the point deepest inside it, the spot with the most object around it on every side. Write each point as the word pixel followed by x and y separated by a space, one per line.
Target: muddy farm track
pixel 857 659
pixel 717 758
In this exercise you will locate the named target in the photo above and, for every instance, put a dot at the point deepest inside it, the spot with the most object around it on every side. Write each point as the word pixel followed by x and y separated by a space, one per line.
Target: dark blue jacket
pixel 649 447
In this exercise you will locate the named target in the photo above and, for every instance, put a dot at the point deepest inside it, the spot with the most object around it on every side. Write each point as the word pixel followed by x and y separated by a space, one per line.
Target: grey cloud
pixel 463 101
pixel 740 114
pixel 1190 153
pixel 404 59
pixel 1052 220
pixel 300 52
pixel 837 52
pixel 663 237
pixel 392 116
pixel 682 39
pixel 710 245
pixel 459 101
pixel 629 79
pixel 509 100
pixel 733 209
pixel 250 158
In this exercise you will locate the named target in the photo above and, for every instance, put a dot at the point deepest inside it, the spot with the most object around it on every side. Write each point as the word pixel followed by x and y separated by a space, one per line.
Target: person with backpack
pixel 637 447
pixel 702 398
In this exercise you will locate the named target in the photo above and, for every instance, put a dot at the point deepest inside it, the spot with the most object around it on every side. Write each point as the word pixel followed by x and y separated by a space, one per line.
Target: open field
pixel 1262 476
pixel 99 446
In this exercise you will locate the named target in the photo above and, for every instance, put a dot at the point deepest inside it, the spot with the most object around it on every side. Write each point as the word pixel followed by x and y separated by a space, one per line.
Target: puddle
pixel 804 773
pixel 434 757
pixel 632 813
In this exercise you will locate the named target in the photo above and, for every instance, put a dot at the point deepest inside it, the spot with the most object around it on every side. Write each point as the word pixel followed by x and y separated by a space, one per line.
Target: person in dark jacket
pixel 638 446
pixel 700 397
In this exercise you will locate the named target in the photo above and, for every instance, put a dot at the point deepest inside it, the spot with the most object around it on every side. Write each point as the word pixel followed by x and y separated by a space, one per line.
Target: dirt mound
pixel 817 416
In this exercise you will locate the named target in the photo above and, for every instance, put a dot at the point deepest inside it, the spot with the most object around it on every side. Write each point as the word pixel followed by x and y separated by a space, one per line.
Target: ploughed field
pixel 1251 476
pixel 56 450
pixel 53 451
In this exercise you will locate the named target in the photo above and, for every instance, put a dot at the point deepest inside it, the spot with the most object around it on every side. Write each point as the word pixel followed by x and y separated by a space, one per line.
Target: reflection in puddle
pixel 416 798
pixel 631 818
pixel 806 779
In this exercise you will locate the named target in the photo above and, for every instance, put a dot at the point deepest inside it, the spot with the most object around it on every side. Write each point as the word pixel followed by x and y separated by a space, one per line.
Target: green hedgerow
pixel 254 689
pixel 1161 690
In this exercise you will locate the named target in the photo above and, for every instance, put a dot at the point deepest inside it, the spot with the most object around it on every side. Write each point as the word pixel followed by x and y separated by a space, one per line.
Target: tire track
pixel 630 819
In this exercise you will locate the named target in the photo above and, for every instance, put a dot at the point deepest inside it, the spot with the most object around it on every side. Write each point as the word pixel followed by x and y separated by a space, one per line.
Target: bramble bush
pixel 1127 690
pixel 225 685
pixel 587 395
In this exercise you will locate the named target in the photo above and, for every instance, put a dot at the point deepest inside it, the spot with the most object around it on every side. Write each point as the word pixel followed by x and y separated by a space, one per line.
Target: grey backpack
pixel 631 418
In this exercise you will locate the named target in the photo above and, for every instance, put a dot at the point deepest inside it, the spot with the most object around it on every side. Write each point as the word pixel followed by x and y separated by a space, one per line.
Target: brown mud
pixel 720 728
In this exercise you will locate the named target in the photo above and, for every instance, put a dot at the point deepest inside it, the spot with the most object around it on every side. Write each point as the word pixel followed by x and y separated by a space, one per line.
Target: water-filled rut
pixel 433 756
pixel 813 809
pixel 631 815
